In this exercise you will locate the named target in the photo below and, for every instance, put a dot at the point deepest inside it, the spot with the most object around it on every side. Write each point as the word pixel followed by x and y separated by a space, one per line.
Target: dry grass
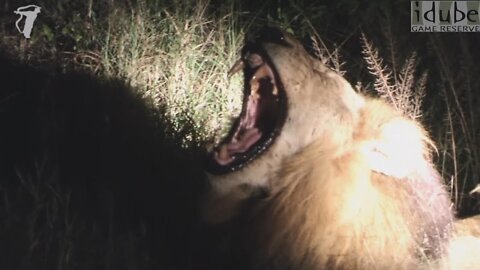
pixel 178 59
pixel 404 90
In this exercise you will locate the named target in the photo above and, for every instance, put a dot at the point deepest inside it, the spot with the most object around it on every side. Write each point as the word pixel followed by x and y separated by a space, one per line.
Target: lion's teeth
pixel 262 72
pixel 254 87
pixel 275 90
pixel 239 65
pixel 222 155
pixel 270 74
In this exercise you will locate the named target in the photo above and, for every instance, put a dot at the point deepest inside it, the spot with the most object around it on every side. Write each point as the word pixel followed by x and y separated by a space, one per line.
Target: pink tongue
pixel 224 154
pixel 247 140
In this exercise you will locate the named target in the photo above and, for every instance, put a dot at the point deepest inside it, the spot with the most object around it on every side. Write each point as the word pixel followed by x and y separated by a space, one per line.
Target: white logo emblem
pixel 29 15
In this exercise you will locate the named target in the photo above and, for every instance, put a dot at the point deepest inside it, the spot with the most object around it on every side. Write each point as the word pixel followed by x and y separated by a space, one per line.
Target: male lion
pixel 328 178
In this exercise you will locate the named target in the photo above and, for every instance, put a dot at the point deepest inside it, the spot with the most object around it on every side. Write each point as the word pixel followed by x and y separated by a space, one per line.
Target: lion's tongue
pixel 225 154
pixel 245 136
pixel 250 137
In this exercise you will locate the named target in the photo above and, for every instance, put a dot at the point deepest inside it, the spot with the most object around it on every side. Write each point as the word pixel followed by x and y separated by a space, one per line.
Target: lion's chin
pixel 262 117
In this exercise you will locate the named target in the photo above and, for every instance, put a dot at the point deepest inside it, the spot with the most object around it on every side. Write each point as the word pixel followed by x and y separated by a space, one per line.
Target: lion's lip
pixel 247 132
pixel 259 121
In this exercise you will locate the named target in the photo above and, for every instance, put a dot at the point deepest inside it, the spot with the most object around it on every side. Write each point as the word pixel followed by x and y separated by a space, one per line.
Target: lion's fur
pixel 350 180
pixel 331 208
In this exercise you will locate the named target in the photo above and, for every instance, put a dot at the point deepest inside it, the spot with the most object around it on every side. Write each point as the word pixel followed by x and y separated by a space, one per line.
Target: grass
pixel 181 67
pixel 175 56
pixel 402 89
pixel 103 136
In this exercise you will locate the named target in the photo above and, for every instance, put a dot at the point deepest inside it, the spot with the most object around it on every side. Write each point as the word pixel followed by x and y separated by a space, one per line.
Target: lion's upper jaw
pixel 310 115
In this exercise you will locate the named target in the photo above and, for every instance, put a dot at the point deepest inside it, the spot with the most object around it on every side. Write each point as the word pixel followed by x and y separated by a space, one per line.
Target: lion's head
pixel 283 109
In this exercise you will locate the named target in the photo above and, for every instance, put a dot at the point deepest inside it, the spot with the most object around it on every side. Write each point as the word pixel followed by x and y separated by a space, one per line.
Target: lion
pixel 328 178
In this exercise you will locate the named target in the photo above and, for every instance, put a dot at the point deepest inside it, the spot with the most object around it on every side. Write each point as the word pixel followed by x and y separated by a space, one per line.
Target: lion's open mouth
pixel 263 113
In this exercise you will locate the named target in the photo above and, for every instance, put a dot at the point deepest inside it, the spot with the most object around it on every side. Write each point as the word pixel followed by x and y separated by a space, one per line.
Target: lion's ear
pixel 398 151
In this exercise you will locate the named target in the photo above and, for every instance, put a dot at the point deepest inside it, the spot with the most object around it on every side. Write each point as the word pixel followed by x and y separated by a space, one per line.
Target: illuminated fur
pixel 333 209
pixel 350 180
pixel 464 249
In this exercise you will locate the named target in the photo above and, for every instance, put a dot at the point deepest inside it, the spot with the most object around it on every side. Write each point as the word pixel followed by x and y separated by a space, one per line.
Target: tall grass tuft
pixel 178 58
pixel 403 89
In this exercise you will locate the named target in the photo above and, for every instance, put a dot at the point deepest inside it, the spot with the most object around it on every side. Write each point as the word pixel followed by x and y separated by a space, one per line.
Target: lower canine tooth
pixel 236 67
pixel 223 152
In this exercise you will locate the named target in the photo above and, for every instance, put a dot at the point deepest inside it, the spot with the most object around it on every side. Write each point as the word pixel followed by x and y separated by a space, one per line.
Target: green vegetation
pixel 176 56
pixel 178 59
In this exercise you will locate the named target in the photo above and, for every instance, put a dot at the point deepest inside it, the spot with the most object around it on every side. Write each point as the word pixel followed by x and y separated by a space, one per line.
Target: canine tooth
pixel 254 86
pixel 239 65
pixel 275 90
pixel 270 74
pixel 262 72
pixel 223 152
